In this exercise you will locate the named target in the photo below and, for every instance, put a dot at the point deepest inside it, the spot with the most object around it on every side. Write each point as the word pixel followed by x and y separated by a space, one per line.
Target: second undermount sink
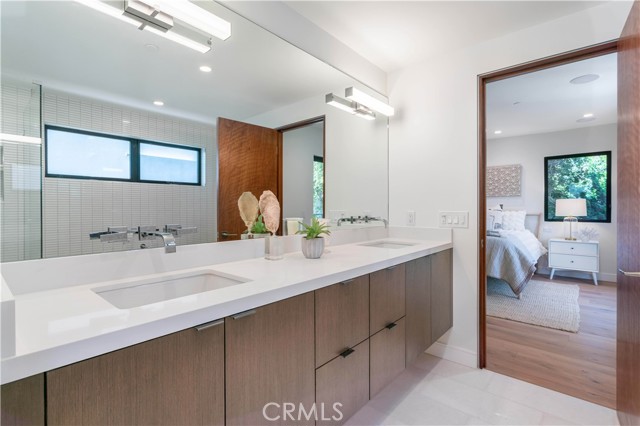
pixel 388 244
pixel 152 290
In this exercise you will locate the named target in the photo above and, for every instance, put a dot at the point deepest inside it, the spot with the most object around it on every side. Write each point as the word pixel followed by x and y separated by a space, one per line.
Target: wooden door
pixel 249 159
pixel 173 380
pixel 441 293
pixel 418 306
pixel 387 297
pixel 270 362
pixel 628 347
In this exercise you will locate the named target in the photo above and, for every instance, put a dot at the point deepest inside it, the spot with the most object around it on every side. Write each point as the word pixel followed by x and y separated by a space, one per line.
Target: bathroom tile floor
pixel 434 391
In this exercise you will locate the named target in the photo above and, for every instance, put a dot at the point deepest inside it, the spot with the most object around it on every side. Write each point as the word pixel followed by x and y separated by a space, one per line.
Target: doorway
pixel 528 352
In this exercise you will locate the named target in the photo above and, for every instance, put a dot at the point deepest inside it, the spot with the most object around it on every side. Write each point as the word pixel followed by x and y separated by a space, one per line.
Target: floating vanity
pixel 226 342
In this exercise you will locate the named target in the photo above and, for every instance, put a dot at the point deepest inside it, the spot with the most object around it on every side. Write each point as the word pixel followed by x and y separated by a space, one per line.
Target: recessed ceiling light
pixel 158 103
pixel 587 78
pixel 588 115
pixel 205 68
pixel 497 132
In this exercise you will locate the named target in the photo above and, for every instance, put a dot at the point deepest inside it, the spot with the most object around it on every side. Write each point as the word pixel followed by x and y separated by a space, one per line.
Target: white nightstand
pixel 575 256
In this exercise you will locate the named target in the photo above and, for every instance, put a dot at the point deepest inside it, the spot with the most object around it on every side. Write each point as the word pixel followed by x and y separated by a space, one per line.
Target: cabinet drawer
pixel 387 356
pixel 567 261
pixel 572 247
pixel 387 293
pixel 345 381
pixel 342 317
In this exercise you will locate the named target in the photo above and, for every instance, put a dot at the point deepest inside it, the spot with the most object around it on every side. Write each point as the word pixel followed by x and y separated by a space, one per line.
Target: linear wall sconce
pixel 349 106
pixel 158 16
pixel 363 99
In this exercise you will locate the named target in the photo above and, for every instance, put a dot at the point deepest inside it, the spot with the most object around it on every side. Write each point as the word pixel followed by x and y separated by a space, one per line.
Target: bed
pixel 512 255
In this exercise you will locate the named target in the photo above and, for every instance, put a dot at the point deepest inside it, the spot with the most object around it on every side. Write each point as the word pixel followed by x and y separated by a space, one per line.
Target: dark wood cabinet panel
pixel 418 305
pixel 387 294
pixel 343 381
pixel 270 359
pixel 23 402
pixel 173 380
pixel 342 317
pixel 387 355
pixel 441 293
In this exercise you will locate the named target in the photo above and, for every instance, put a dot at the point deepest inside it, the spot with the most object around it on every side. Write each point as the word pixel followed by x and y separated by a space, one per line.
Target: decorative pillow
pixel 494 220
pixel 513 220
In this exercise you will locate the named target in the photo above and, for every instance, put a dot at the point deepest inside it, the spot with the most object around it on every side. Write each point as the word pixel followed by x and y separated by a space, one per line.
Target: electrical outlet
pixel 411 218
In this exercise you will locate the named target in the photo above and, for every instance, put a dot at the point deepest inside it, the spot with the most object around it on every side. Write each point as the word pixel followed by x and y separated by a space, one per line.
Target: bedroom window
pixel 587 176
pixel 79 154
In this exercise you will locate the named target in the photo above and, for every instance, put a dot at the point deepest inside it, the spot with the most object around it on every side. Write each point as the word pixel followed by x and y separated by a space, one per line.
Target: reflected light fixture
pixel 363 99
pixel 350 106
pixel 497 132
pixel 6 137
pixel 158 16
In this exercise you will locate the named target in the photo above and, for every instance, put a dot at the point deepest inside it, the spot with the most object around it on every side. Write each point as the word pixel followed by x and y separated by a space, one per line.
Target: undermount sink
pixel 152 290
pixel 389 244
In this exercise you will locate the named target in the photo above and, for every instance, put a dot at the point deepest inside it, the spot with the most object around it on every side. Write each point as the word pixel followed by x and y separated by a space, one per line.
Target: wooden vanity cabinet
pixel 172 380
pixel 23 402
pixel 270 359
pixel 441 293
pixel 343 381
pixel 342 317
pixel 418 305
pixel 387 355
pixel 387 297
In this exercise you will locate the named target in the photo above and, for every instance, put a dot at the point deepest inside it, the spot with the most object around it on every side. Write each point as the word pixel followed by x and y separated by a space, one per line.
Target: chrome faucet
pixel 151 232
pixel 368 219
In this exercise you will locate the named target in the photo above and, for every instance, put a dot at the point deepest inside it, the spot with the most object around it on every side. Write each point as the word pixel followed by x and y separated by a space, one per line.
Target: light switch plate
pixel 453 219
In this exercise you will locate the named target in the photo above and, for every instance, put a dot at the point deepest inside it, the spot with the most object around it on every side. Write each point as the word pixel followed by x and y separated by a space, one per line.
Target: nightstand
pixel 575 256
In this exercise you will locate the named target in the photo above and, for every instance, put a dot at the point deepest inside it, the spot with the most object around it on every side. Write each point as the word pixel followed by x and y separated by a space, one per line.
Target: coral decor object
pixel 270 209
pixel 248 206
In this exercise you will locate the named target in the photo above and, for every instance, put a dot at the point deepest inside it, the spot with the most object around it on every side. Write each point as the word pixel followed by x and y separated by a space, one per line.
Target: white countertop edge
pixel 28 364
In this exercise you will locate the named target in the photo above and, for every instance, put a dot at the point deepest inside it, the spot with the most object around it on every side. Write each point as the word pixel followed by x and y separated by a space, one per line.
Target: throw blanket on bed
pixel 509 259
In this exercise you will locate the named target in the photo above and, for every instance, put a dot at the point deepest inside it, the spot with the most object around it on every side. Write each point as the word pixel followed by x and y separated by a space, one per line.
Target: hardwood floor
pixel 580 364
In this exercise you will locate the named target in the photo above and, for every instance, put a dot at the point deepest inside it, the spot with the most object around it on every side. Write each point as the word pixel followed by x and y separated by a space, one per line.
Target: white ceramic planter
pixel 313 248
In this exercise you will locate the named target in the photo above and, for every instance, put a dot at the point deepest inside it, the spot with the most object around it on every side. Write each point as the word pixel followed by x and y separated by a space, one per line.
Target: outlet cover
pixel 411 218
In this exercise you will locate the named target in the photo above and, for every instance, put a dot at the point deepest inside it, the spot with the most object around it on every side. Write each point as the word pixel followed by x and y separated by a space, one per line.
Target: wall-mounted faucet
pixel 178 230
pixel 113 234
pixel 361 219
pixel 151 232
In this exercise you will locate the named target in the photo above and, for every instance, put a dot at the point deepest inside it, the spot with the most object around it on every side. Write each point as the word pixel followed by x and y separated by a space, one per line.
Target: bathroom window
pixel 79 154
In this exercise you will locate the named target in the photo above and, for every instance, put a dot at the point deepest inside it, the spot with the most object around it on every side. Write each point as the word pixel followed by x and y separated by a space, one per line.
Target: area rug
pixel 542 303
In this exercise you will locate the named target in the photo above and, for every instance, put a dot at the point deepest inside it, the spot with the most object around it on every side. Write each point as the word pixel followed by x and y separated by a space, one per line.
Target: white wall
pixel 355 160
pixel 299 146
pixel 433 145
pixel 529 151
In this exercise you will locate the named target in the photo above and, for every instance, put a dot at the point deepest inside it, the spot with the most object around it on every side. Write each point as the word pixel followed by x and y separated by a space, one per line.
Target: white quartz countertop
pixel 66 325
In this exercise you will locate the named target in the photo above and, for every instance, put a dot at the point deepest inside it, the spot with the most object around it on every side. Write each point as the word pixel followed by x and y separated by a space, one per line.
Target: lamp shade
pixel 571 207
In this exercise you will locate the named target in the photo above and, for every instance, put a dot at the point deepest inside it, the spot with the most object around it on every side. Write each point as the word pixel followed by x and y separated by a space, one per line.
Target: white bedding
pixel 533 246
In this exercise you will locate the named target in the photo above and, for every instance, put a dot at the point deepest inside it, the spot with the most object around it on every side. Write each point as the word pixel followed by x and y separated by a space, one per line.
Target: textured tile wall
pixel 20 180
pixel 73 208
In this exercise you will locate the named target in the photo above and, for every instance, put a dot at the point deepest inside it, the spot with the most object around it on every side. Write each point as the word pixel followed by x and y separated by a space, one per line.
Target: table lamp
pixel 570 208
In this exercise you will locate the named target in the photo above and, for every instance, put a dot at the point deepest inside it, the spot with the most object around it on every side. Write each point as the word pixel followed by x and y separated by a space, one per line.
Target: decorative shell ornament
pixel 270 209
pixel 588 233
pixel 248 206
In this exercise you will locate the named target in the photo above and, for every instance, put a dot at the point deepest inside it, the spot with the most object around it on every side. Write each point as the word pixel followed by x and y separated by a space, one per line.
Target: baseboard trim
pixel 454 353
pixel 602 276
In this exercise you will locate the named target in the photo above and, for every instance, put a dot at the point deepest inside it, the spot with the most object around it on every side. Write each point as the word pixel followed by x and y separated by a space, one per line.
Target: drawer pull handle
pixel 211 324
pixel 347 282
pixel 572 248
pixel 390 326
pixel 572 261
pixel 630 274
pixel 347 352
pixel 243 314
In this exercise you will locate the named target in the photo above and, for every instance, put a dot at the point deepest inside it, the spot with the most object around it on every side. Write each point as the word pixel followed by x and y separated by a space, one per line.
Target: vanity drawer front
pixel 574 248
pixel 567 261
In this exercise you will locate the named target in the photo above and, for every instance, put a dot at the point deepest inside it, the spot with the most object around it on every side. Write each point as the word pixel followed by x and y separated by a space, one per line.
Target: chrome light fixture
pixel 363 99
pixel 158 17
pixel 350 106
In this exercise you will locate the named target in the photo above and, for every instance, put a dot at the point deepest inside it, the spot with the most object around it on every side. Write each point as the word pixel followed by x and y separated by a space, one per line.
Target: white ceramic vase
pixel 313 248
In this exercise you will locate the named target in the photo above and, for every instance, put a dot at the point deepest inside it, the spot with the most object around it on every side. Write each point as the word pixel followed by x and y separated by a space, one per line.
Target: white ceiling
pixel 396 34
pixel 548 102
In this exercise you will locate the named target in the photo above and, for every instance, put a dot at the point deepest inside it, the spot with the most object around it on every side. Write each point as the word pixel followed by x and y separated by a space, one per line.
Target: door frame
pixel 483 80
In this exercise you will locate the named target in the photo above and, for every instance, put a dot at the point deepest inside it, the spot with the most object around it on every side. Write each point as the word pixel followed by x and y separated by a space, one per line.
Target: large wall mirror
pixel 67 66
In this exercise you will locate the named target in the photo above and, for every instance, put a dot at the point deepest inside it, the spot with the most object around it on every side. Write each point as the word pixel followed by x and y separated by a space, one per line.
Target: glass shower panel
pixel 20 172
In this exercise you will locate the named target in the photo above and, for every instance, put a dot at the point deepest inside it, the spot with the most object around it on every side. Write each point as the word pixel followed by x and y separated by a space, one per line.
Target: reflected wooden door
pixel 248 160
pixel 628 347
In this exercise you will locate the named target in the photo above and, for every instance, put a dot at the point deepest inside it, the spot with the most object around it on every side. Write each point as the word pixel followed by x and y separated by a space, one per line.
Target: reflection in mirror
pixel 101 75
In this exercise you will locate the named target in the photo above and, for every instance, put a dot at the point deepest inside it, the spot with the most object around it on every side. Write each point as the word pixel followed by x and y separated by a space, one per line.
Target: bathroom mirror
pixel 70 66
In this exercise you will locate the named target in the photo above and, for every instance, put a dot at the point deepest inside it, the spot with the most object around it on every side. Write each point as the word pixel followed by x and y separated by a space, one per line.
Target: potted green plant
pixel 313 243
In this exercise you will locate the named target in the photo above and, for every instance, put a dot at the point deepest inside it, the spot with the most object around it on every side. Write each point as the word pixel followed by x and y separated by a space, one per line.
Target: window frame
pixel 134 160
pixel 608 155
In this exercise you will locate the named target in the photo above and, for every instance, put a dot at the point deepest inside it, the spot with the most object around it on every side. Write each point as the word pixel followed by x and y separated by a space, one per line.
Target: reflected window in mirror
pixel 318 186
